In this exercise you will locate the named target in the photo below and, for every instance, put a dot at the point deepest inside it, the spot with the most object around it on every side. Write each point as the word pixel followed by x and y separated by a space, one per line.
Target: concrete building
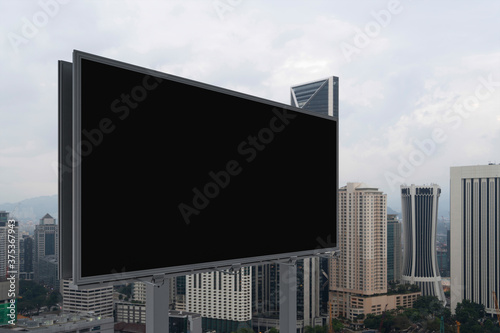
pixel 222 298
pixel 139 292
pixel 419 209
pixel 361 268
pixel 9 246
pixel 126 312
pixel 475 234
pixel 96 300
pixel 66 322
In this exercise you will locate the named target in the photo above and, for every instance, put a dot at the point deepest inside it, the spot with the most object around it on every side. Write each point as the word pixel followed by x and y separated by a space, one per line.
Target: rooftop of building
pixel 37 323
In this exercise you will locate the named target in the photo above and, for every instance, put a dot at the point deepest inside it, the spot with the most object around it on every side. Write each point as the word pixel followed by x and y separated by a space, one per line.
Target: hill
pixel 32 209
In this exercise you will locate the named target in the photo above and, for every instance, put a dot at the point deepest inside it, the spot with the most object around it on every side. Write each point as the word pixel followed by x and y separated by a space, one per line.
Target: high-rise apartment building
pixel 222 298
pixel 320 96
pixel 9 245
pixel 419 205
pixel 475 234
pixel 394 248
pixel 361 268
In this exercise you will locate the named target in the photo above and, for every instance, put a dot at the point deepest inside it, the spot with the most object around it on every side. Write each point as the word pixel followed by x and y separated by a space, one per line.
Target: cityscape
pixel 414 88
pixel 395 269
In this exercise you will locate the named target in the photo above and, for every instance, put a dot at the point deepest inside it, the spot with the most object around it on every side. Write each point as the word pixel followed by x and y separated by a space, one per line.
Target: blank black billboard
pixel 172 174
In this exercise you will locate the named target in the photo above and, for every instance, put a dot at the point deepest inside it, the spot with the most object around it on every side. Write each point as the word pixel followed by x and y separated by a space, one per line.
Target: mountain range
pixel 32 209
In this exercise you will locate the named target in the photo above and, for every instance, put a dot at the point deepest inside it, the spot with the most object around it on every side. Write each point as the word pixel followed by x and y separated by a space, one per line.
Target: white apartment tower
pixel 9 245
pixel 221 296
pixel 419 205
pixel 361 267
pixel 475 235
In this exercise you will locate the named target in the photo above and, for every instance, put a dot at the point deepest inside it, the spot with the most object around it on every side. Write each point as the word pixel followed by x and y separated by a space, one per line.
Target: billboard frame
pixel 76 223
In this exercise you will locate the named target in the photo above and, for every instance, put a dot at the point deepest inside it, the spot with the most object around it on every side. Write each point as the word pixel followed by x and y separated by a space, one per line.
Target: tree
pixel 337 324
pixel 372 321
pixel 315 329
pixel 54 298
pixel 33 296
pixel 401 322
pixel 429 305
pixel 469 312
pixel 274 330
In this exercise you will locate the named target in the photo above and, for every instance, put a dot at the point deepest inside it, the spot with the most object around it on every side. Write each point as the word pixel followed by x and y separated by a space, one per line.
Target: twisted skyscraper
pixel 420 207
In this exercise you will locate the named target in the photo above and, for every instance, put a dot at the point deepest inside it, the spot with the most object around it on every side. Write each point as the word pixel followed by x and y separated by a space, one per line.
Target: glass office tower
pixel 320 96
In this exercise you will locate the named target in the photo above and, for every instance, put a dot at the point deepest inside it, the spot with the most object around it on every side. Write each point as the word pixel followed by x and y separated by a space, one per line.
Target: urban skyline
pixel 407 111
pixel 415 107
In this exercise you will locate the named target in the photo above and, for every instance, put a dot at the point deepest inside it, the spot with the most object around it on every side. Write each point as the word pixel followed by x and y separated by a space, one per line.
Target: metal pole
pixel 157 299
pixel 288 297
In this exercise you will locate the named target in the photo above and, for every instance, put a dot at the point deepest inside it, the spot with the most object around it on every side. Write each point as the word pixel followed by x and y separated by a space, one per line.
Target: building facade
pixel 96 300
pixel 475 235
pixel 361 268
pixel 222 298
pixel 9 245
pixel 46 242
pixel 419 206
pixel 321 96
pixel 394 249
pixel 26 251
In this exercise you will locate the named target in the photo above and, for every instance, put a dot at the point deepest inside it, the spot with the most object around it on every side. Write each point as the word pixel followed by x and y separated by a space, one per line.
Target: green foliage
pixel 372 321
pixel 468 312
pixel 125 290
pixel 274 330
pixel 244 330
pixel 337 324
pixel 53 298
pixel 34 296
pixel 316 329
pixel 401 322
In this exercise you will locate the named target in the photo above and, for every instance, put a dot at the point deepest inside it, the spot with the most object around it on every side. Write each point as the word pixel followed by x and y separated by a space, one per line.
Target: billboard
pixel 173 176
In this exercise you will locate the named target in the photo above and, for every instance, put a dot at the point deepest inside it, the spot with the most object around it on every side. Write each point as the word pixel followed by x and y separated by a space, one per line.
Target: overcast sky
pixel 419 80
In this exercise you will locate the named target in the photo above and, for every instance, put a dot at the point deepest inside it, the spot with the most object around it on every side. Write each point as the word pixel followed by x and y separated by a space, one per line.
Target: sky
pixel 419 81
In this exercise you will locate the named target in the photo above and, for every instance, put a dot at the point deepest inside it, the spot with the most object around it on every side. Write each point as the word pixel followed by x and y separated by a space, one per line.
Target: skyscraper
pixel 419 209
pixel 320 96
pixel 394 249
pixel 46 242
pixel 361 268
pixel 475 234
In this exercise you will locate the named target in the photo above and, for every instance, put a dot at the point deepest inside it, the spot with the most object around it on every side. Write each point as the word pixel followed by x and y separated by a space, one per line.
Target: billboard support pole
pixel 288 296
pixel 157 305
